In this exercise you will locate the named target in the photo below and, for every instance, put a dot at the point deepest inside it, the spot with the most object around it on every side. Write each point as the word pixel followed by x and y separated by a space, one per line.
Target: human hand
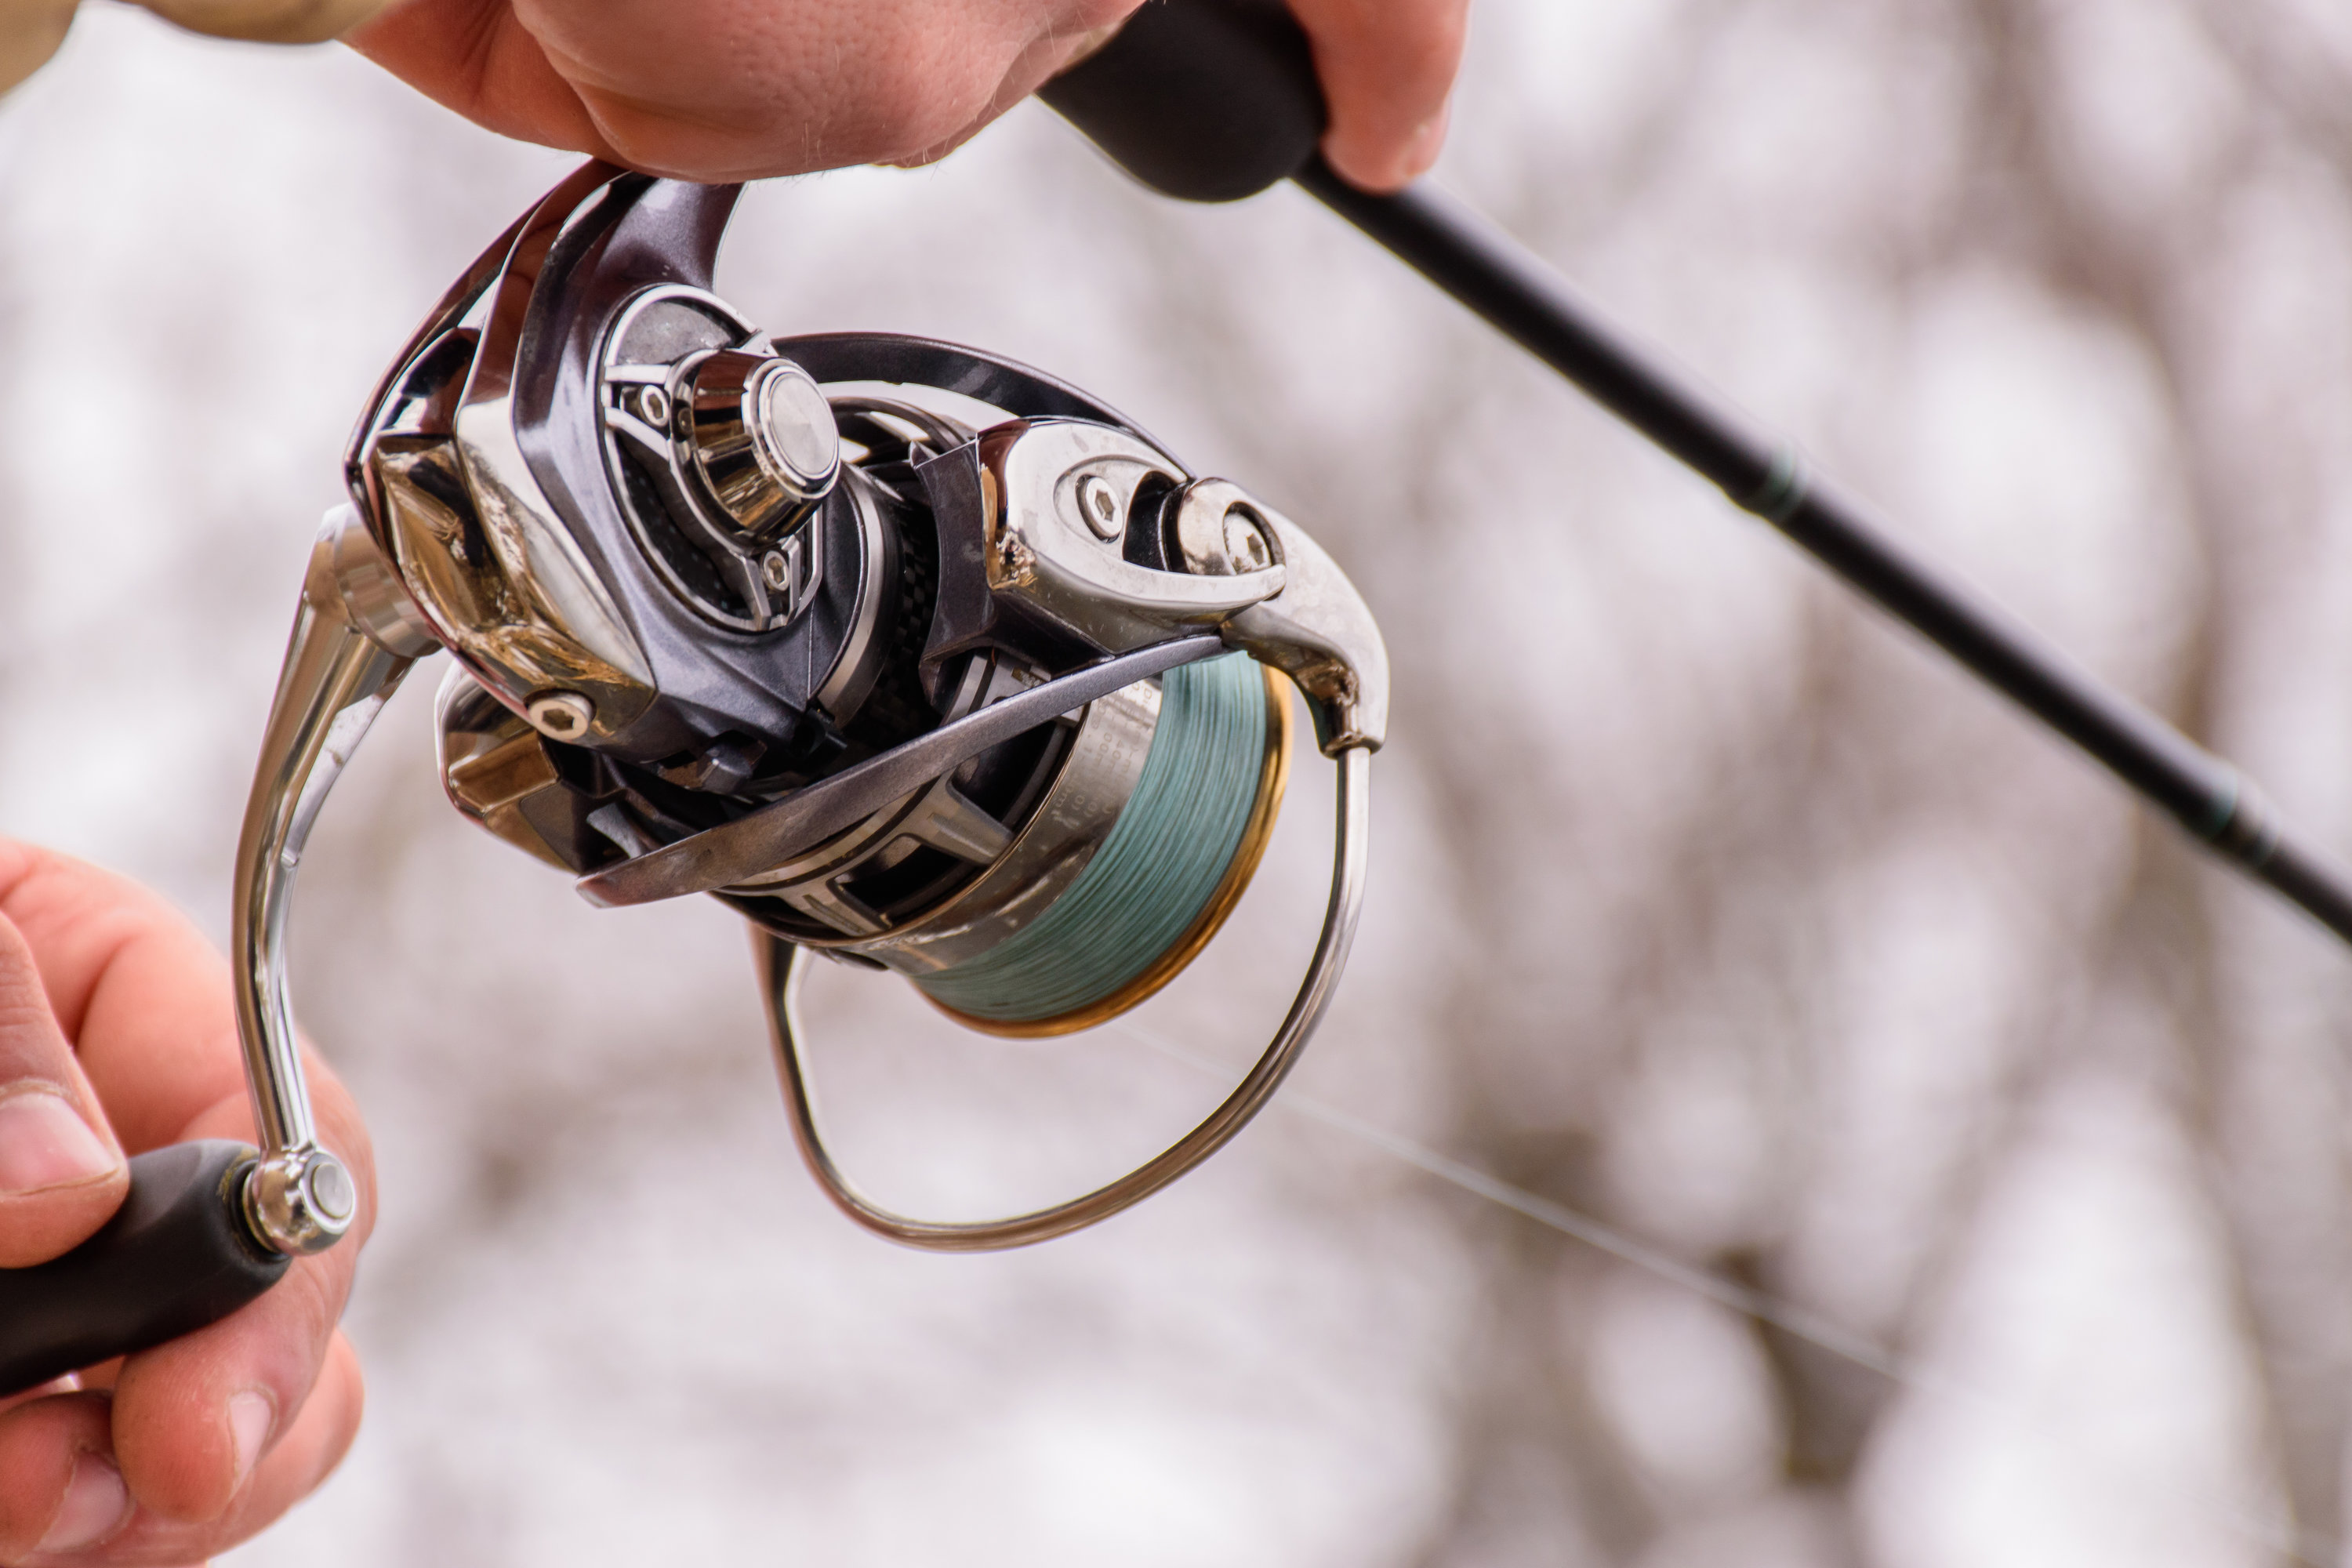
pixel 117 1034
pixel 739 89
pixel 31 30
pixel 1388 69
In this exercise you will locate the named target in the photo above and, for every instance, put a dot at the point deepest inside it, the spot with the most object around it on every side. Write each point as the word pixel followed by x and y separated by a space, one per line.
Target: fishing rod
pixel 918 658
pixel 1214 100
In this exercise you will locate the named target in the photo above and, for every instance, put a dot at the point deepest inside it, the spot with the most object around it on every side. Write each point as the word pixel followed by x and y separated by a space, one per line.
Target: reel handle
pixel 209 1226
pixel 355 636
pixel 177 1256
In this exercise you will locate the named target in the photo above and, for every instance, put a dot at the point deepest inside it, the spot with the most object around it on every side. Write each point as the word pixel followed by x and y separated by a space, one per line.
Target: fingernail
pixel 1421 151
pixel 45 1143
pixel 95 1505
pixel 250 1417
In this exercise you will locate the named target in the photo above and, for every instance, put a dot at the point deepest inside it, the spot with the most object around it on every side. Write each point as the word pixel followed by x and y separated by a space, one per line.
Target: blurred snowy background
pixel 1966 1159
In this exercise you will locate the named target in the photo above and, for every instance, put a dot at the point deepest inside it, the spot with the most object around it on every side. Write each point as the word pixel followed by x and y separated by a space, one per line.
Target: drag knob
pixel 764 439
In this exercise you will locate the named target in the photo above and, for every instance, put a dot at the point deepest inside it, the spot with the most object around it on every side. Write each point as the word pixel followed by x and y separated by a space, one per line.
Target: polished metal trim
pixel 335 682
pixel 654 429
pixel 1041 552
pixel 739 418
pixel 757 842
pixel 1320 632
pixel 377 601
pixel 858 663
pixel 494 773
pixel 541 577
pixel 783 967
pixel 1092 783
pixel 1216 530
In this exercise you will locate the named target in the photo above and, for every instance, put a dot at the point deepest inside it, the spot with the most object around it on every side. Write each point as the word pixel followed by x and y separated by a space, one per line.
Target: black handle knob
pixel 175 1257
pixel 1210 100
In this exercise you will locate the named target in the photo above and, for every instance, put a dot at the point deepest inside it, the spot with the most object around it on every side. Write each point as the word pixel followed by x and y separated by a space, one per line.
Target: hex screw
pixel 1246 545
pixel 564 715
pixel 1099 504
pixel 653 406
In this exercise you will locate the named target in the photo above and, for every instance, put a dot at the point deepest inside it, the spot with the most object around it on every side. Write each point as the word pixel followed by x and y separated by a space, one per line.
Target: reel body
pixel 918 658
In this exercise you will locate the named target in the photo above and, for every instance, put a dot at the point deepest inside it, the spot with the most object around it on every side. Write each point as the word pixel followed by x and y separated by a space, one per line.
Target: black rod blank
pixel 1520 296
pixel 1216 100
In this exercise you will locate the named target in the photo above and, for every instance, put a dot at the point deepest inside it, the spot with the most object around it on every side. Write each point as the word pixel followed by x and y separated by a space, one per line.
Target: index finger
pixel 1387 66
pixel 141 995
pixel 147 1003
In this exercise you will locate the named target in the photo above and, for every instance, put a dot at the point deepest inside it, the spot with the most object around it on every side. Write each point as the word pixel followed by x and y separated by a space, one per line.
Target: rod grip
pixel 177 1256
pixel 1209 100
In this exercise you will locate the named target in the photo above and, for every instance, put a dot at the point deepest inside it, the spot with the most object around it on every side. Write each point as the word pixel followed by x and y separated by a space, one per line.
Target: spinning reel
pixel 920 659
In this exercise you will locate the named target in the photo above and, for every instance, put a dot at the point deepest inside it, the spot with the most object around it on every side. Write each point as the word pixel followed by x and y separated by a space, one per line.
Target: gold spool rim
pixel 1273 779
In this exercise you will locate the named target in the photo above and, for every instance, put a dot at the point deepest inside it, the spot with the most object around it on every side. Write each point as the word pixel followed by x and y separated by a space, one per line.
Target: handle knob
pixel 175 1257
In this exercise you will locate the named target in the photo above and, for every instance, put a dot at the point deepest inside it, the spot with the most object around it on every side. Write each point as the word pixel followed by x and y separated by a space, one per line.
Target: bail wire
pixel 783 967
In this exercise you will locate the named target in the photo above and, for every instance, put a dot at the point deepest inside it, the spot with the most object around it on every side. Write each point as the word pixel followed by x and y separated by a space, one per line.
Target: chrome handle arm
pixel 355 636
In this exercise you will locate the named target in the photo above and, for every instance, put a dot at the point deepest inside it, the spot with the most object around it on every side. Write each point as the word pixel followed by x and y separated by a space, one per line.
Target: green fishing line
pixel 1156 871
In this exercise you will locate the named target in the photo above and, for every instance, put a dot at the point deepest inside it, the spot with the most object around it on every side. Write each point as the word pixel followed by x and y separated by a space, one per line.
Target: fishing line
pixel 2276 1534
pixel 1158 873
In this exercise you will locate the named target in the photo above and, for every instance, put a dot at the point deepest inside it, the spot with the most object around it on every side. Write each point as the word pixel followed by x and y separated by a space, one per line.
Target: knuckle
pixel 911 106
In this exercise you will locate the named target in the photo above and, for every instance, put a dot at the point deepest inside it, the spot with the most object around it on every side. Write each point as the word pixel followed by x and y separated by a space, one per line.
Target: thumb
pixel 61 1171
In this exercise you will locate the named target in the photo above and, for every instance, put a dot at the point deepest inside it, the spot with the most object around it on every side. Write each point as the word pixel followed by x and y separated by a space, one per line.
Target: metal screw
pixel 1099 504
pixel 775 570
pixel 566 715
pixel 653 406
pixel 1246 543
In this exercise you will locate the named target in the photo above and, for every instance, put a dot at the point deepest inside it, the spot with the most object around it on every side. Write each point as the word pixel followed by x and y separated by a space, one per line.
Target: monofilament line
pixel 2272 1532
